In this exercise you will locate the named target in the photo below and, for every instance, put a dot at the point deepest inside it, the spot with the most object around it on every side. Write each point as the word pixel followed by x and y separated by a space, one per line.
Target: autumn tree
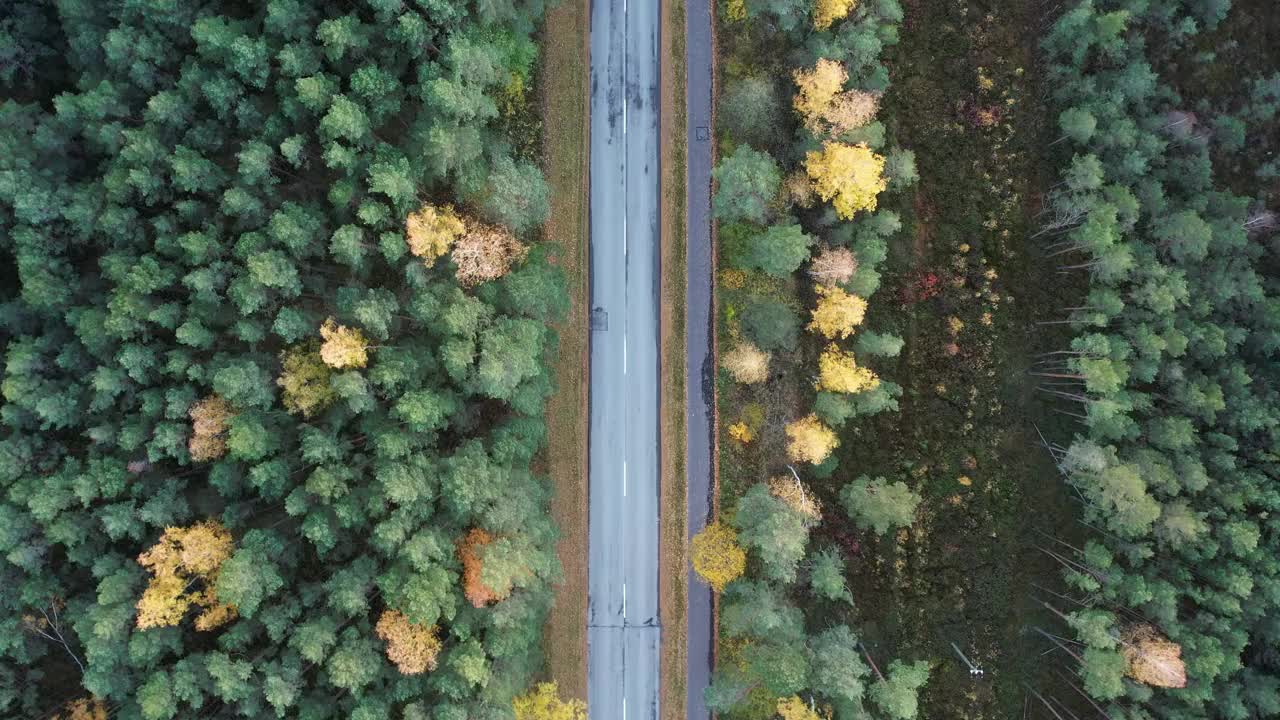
pixel 747 363
pixel 485 253
pixel 791 491
pixel 476 551
pixel 90 708
pixel 809 440
pixel 1151 658
pixel 304 379
pixel 432 230
pixel 716 555
pixel 412 647
pixel 833 266
pixel 877 505
pixel 827 108
pixel 793 708
pixel 543 703
pixel 209 428
pixel 837 312
pixel 848 176
pixel 343 347
pixel 181 559
pixel 840 372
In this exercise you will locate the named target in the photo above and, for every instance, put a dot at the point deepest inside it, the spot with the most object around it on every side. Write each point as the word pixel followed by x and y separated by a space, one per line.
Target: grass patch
pixel 673 513
pixel 563 88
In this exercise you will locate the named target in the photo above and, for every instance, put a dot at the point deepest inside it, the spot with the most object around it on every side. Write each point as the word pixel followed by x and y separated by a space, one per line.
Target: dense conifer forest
pixel 274 321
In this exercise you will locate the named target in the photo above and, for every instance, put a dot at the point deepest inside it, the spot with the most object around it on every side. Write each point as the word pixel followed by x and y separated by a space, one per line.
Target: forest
pixel 998 323
pixel 275 328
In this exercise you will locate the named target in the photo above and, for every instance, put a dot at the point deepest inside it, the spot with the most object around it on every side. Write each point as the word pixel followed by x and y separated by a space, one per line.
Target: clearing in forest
pixel 968 289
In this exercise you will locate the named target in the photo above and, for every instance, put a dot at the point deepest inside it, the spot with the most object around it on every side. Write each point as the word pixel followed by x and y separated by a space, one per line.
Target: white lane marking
pixel 624 231
pixel 624 707
pixel 624 603
pixel 624 478
pixel 624 354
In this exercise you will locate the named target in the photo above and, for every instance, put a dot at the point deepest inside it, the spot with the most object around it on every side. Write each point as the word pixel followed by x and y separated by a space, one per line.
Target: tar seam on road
pixel 623 632
pixel 700 360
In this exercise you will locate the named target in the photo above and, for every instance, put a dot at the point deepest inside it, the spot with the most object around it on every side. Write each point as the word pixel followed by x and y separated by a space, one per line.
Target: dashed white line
pixel 624 478
pixel 624 354
pixel 624 603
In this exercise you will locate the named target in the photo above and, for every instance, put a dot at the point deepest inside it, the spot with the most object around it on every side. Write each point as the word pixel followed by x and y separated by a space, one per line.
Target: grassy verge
pixel 563 88
pixel 674 491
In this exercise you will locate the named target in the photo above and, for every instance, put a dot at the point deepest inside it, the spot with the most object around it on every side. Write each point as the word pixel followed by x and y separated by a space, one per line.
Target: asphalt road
pixel 623 633
pixel 700 362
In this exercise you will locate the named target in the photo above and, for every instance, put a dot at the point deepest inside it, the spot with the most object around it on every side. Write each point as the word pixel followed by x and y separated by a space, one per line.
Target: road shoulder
pixel 563 90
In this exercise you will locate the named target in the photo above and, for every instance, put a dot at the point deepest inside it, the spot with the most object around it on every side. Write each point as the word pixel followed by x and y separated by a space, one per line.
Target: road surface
pixel 700 362
pixel 623 633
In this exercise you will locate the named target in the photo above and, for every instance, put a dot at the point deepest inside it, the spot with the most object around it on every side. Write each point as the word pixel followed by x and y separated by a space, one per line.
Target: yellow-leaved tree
pixel 182 560
pixel 90 708
pixel 791 491
pixel 826 12
pixel 304 379
pixel 838 371
pixel 343 347
pixel 793 708
pixel 838 312
pixel 209 419
pixel 543 703
pixel 717 557
pixel 810 440
pixel 849 176
pixel 821 100
pixel 747 363
pixel 431 231
pixel 412 647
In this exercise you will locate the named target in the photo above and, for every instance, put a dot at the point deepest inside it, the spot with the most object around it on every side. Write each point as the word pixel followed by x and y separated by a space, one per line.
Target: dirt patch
pixel 672 590
pixel 563 89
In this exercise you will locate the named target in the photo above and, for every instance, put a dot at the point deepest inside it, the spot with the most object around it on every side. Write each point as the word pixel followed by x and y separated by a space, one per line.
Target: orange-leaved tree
pixel 90 708
pixel 183 560
pixel 470 549
pixel 412 647
pixel 209 419
pixel 848 176
pixel 1151 658
pixel 431 231
pixel 543 703
pixel 717 557
pixel 810 440
pixel 343 347
pixel 838 371
pixel 838 312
